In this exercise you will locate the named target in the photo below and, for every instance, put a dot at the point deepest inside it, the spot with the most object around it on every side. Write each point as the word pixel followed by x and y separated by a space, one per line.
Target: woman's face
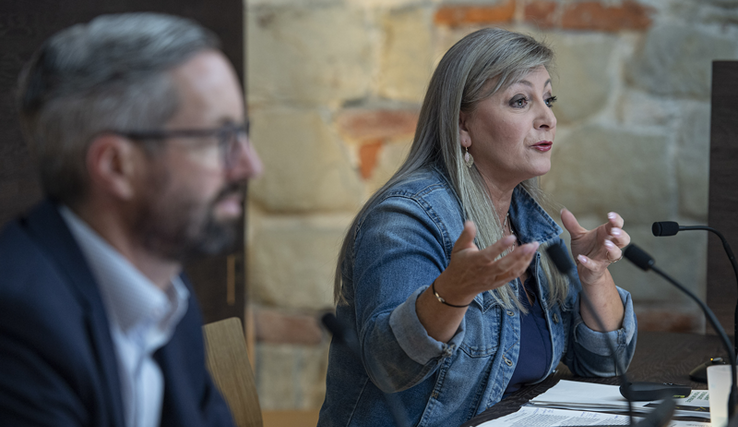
pixel 511 132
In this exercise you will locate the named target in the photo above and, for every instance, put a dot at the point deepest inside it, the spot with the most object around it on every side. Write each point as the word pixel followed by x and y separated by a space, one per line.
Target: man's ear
pixel 112 165
pixel 464 136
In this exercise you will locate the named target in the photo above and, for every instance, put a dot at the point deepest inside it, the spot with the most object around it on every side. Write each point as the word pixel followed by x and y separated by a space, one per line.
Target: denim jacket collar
pixel 532 223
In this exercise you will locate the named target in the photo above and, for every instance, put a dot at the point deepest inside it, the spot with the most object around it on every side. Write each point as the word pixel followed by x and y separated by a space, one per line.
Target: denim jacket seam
pixel 512 345
pixel 575 327
pixel 435 218
pixel 358 399
pixel 417 197
pixel 552 229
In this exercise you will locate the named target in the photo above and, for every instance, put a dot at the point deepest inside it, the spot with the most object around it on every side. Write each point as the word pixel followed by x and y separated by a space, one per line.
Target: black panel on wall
pixel 722 289
pixel 24 24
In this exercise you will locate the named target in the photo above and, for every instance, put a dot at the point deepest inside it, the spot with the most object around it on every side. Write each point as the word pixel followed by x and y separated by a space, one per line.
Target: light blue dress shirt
pixel 142 319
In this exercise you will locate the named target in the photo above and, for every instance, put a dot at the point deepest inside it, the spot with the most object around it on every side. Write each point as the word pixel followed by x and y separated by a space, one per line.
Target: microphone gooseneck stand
pixel 661 415
pixel 645 262
pixel 345 335
pixel 670 228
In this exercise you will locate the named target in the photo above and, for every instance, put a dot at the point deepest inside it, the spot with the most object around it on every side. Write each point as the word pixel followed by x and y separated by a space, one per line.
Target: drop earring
pixel 468 159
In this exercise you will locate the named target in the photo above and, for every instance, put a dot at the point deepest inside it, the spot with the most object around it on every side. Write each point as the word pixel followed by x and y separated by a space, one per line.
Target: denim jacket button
pixel 510 313
pixel 508 361
pixel 556 317
pixel 448 351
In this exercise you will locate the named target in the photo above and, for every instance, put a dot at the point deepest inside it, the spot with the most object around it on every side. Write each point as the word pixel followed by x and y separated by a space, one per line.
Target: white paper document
pixel 530 416
pixel 583 396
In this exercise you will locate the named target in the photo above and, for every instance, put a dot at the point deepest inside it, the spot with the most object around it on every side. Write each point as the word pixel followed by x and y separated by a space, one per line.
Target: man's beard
pixel 177 228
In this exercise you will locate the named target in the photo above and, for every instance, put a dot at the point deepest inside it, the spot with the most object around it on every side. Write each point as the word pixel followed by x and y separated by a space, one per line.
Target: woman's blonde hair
pixel 458 84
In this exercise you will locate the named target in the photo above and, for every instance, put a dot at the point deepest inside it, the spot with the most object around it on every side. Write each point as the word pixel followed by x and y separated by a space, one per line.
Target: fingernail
pixel 530 248
pixel 508 240
pixel 615 231
pixel 609 244
pixel 612 215
pixel 582 259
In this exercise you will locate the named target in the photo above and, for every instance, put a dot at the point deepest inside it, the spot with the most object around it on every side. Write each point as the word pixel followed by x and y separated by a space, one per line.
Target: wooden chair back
pixel 228 363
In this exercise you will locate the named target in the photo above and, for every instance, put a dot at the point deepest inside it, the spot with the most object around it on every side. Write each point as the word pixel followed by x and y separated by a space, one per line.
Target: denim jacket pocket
pixel 473 364
pixel 483 331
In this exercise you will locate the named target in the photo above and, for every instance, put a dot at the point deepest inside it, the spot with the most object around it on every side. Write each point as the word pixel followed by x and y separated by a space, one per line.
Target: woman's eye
pixel 550 101
pixel 519 102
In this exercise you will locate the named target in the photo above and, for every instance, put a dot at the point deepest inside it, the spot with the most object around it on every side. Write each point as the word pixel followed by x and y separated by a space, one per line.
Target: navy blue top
pixel 535 340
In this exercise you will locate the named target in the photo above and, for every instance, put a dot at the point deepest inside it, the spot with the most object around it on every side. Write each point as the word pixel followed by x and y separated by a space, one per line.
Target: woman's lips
pixel 543 146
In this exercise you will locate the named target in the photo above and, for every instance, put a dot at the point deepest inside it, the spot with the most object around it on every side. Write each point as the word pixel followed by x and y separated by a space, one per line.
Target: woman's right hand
pixel 473 271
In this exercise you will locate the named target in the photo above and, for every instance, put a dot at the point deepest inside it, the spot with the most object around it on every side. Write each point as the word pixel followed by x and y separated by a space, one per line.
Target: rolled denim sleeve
pixel 590 352
pixel 412 336
pixel 398 252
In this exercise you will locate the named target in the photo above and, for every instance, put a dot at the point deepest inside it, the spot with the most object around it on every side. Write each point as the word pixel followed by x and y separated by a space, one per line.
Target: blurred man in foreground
pixel 138 127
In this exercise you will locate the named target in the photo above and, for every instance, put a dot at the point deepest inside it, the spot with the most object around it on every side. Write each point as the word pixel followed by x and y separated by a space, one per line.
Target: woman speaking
pixel 442 275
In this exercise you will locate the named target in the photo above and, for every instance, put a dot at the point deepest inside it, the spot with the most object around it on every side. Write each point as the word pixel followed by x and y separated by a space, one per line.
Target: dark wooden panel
pixel 22 28
pixel 24 25
pixel 722 290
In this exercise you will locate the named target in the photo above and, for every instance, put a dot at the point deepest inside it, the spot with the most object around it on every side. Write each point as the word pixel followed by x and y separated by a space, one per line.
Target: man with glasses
pixel 137 123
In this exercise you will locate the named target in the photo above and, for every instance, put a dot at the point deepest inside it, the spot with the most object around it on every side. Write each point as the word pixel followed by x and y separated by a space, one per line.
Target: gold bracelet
pixel 443 301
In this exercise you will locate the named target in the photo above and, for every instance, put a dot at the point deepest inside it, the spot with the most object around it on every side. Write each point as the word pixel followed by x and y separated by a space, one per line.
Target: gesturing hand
pixel 594 250
pixel 472 271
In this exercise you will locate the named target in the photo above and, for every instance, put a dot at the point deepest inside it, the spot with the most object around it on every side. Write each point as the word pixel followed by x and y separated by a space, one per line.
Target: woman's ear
pixel 111 165
pixel 464 136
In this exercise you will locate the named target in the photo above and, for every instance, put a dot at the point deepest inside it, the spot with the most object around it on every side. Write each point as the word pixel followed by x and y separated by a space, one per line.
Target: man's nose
pixel 246 164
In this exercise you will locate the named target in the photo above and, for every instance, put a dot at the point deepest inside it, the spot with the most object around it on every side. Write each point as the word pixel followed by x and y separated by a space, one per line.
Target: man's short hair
pixel 110 73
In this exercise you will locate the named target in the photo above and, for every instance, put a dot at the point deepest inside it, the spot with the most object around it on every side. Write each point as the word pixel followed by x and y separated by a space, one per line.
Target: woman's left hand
pixel 594 250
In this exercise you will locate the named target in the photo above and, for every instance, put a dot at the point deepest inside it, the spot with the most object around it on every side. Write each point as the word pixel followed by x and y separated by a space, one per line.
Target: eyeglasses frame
pixel 229 137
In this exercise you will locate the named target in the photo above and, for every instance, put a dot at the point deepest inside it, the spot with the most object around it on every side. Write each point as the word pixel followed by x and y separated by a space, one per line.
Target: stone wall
pixel 334 89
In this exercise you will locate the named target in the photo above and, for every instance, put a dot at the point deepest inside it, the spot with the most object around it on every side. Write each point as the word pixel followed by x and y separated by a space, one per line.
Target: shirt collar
pixel 130 298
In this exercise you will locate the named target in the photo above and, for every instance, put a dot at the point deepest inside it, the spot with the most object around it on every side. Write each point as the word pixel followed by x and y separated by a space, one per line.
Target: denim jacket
pixel 403 243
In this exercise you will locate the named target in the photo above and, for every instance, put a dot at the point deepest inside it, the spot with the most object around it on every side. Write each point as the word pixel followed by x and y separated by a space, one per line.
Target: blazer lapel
pixel 49 230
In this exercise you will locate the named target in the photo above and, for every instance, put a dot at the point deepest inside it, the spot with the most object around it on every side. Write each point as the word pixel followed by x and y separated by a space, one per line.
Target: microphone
pixel 670 228
pixel 347 336
pixel 664 228
pixel 645 262
pixel 661 415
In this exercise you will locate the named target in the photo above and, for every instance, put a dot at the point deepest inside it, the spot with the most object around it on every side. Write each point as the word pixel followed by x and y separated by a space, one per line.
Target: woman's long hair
pixel 458 84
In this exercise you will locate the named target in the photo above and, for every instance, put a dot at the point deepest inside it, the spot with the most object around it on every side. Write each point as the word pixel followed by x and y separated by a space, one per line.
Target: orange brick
pixel 541 13
pixel 273 326
pixel 595 16
pixel 454 16
pixel 362 124
pixel 368 154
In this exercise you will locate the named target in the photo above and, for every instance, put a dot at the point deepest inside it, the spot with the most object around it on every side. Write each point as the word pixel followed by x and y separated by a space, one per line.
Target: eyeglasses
pixel 229 138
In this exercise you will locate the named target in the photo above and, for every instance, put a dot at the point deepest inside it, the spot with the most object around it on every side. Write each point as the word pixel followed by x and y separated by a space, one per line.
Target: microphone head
pixel 560 258
pixel 339 330
pixel 665 228
pixel 330 321
pixel 639 257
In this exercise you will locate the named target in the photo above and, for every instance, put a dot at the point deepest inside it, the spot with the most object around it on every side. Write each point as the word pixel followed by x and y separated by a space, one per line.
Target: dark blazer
pixel 58 366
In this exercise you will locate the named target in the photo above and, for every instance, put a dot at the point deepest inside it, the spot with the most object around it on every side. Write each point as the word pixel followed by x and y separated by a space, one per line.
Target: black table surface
pixel 659 357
